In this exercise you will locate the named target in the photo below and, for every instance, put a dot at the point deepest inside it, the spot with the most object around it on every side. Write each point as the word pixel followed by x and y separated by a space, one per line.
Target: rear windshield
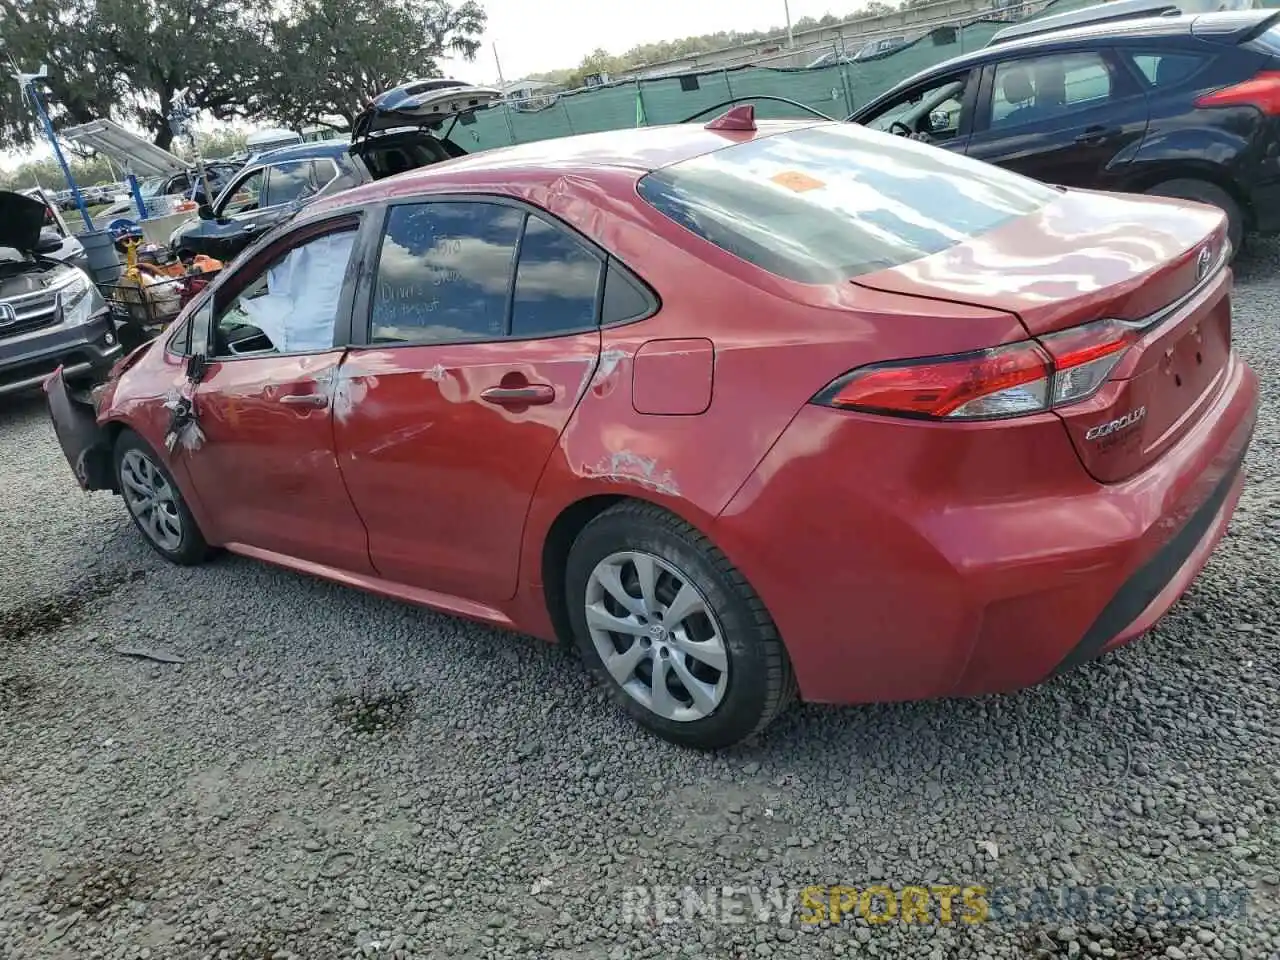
pixel 828 203
pixel 1268 41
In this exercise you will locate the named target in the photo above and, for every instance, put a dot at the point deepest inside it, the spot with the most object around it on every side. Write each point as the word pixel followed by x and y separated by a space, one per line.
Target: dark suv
pixel 1182 106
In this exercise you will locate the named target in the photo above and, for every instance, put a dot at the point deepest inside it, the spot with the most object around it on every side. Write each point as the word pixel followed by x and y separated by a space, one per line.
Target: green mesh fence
pixel 836 91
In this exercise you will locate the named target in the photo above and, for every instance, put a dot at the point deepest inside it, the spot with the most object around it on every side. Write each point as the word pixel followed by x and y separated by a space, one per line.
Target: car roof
pixel 303 151
pixel 635 152
pixel 1223 24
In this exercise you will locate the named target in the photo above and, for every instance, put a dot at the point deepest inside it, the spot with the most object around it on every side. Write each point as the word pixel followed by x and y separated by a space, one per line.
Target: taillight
pixel 1261 91
pixel 1021 378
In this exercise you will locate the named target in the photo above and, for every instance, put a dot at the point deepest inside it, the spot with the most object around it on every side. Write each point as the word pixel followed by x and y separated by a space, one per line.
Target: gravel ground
pixel 332 775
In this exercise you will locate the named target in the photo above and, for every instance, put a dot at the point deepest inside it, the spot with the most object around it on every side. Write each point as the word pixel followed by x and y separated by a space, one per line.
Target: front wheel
pixel 156 503
pixel 673 630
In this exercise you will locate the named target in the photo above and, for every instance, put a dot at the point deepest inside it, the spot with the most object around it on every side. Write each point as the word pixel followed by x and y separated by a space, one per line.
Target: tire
pixel 1212 194
pixel 734 703
pixel 174 533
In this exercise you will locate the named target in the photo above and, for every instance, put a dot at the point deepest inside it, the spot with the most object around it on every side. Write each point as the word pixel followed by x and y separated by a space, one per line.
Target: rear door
pixel 480 334
pixel 1072 118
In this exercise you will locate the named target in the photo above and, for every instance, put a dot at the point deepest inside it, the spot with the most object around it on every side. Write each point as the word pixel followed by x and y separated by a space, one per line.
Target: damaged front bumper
pixel 85 444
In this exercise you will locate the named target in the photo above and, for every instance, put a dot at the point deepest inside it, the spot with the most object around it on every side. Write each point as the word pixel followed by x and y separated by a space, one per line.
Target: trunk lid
pixel 1158 265
pixel 421 103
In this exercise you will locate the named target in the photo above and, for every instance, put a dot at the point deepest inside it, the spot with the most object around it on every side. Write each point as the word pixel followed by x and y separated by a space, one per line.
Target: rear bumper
pixel 84 350
pixel 906 561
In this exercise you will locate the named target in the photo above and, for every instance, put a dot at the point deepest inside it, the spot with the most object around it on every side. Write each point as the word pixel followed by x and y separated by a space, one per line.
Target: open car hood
pixel 21 218
pixel 420 103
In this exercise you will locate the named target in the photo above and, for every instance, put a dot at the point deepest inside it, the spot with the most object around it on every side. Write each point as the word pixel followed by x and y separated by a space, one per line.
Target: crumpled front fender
pixel 85 444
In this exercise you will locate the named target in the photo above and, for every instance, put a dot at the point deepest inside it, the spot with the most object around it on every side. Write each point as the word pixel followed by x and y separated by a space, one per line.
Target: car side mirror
pixel 204 211
pixel 49 241
pixel 196 364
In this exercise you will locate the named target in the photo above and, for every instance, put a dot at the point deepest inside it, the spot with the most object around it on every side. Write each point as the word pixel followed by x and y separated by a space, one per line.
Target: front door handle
pixel 305 399
pixel 526 396
pixel 1098 134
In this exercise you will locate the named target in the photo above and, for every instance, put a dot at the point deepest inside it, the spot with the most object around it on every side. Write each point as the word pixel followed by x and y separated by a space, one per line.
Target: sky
pixel 532 38
pixel 554 34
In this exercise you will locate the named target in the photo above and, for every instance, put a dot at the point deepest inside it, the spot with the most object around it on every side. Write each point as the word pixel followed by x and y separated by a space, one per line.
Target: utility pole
pixel 506 104
pixel 786 8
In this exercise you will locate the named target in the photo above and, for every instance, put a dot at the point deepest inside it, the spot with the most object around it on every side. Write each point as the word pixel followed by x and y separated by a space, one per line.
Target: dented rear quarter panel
pixel 776 344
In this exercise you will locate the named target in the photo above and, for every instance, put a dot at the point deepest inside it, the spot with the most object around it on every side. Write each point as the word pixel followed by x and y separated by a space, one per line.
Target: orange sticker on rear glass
pixel 797 181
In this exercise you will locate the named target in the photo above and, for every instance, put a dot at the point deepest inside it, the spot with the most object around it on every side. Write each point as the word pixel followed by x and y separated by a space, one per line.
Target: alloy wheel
pixel 151 499
pixel 657 635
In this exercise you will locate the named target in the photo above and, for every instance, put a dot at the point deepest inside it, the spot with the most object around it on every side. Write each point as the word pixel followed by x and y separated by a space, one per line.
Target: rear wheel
pixel 673 630
pixel 155 503
pixel 1212 194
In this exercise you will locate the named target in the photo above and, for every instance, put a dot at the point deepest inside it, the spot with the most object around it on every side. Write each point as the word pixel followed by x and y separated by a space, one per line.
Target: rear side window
pixel 298 179
pixel 557 282
pixel 828 203
pixel 1167 69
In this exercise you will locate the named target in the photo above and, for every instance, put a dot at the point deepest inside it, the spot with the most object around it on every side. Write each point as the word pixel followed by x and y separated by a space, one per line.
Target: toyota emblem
pixel 1202 262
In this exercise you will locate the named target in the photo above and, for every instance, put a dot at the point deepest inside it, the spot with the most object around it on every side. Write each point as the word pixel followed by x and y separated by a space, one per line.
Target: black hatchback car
pixel 1177 106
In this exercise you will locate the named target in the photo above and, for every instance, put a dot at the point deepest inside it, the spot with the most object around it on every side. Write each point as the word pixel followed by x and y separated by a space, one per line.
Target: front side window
pixel 828 203
pixel 291 306
pixel 931 112
pixel 297 180
pixel 246 195
pixel 444 272
pixel 1045 88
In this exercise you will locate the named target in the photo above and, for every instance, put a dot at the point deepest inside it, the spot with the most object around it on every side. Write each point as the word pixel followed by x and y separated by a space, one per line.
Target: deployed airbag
pixel 297 311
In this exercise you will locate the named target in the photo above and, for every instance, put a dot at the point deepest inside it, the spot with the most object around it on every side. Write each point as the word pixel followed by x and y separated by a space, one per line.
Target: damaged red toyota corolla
pixel 746 411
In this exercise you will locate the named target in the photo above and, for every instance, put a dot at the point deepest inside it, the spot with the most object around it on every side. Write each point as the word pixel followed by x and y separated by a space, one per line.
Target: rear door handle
pixel 1098 134
pixel 531 395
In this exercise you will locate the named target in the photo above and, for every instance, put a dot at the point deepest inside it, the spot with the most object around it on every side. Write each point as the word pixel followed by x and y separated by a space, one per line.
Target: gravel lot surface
pixel 332 775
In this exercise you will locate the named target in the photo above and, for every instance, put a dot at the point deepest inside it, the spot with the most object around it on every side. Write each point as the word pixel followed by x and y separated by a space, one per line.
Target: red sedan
pixel 747 411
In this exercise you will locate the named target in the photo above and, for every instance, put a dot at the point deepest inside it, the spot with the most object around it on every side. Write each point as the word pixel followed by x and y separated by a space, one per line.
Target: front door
pixel 267 469
pixel 475 360
pixel 1073 119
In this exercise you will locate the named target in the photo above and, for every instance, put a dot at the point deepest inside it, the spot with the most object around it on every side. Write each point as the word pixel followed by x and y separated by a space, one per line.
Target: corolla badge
pixel 1116 425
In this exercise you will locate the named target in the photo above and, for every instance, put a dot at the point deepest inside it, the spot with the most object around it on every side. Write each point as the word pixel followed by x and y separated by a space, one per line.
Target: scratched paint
pixel 436 373
pixel 628 467
pixel 602 383
pixel 350 393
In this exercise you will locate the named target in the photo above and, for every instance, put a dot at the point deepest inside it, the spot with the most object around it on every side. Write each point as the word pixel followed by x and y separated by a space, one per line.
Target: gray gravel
pixel 327 774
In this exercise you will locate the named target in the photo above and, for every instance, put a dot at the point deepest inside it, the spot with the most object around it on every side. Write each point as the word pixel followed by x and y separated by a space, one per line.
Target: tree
pixel 212 48
pixel 81 84
pixel 328 63
pixel 124 60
